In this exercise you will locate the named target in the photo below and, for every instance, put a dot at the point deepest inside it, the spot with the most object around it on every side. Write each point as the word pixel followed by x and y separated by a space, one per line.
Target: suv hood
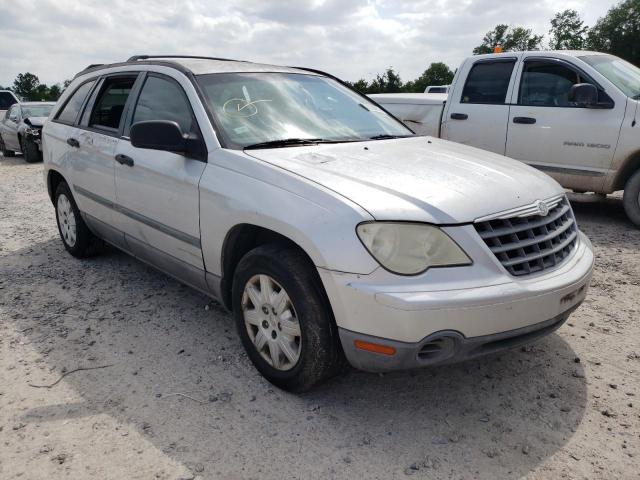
pixel 417 179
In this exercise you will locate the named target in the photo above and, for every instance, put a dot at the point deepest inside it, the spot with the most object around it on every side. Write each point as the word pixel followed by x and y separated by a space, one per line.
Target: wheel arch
pixel 53 180
pixel 626 171
pixel 241 239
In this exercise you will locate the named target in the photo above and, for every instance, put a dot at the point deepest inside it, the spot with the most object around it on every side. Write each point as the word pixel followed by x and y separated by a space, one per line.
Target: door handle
pixel 124 160
pixel 73 142
pixel 524 120
pixel 459 116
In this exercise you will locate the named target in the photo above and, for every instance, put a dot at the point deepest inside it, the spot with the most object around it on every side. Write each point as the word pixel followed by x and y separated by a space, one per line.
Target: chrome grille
pixel 526 243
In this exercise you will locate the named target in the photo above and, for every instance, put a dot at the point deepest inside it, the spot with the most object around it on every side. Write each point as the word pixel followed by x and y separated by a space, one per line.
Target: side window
pixel 488 83
pixel 109 106
pixel 70 111
pixel 6 100
pixel 163 99
pixel 546 84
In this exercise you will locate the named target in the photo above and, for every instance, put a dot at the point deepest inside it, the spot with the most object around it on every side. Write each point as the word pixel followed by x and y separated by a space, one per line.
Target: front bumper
pixel 466 322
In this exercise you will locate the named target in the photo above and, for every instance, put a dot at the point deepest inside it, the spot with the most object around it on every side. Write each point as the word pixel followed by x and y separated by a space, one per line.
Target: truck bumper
pixel 424 328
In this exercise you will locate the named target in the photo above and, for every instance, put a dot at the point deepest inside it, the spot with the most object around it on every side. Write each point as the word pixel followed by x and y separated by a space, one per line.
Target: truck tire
pixel 5 151
pixel 30 151
pixel 283 318
pixel 631 198
pixel 76 236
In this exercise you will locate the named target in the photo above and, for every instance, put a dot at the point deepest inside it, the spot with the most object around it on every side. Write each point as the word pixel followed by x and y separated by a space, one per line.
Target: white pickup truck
pixel 571 114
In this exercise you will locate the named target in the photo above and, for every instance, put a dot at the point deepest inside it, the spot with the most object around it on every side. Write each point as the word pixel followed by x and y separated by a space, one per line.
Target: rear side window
pixel 6 100
pixel 69 112
pixel 488 83
pixel 109 106
pixel 163 99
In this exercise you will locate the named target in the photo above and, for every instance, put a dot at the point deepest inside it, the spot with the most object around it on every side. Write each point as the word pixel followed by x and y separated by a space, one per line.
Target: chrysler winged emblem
pixel 543 208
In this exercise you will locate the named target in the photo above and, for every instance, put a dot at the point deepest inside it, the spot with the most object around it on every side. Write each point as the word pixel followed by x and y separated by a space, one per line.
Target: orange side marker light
pixel 374 347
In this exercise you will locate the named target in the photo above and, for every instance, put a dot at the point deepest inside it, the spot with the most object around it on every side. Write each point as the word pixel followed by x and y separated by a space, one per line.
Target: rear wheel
pixel 5 151
pixel 30 151
pixel 75 235
pixel 631 198
pixel 283 318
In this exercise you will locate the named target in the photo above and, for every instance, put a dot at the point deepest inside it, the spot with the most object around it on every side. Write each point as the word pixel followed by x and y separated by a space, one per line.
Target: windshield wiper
pixel 386 136
pixel 285 142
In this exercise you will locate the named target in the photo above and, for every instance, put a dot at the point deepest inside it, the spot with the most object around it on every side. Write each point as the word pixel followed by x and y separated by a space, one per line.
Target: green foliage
pixel 510 38
pixel 438 73
pixel 568 31
pixel 28 86
pixel 618 32
pixel 390 82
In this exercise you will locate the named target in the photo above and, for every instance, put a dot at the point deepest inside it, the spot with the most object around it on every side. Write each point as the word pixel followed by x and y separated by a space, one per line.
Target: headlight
pixel 410 248
pixel 33 131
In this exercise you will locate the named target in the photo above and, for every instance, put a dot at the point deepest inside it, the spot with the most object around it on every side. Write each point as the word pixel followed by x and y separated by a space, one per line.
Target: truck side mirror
pixel 583 95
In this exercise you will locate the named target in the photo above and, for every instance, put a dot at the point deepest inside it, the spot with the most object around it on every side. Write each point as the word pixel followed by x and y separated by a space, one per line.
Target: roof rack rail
pixel 93 65
pixel 135 58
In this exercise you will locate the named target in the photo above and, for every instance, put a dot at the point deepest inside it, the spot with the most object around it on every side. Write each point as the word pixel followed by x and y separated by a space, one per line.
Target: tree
pixel 26 84
pixel 510 38
pixel 388 82
pixel 438 73
pixel 54 92
pixel 618 32
pixel 361 85
pixel 568 31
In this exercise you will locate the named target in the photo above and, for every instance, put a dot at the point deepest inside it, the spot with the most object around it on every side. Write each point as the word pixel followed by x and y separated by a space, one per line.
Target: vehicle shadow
pixel 496 417
pixel 593 209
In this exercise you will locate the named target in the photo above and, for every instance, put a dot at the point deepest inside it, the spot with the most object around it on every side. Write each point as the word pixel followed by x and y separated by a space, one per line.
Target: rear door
pixel 549 132
pixel 10 128
pixel 157 191
pixel 478 108
pixel 97 137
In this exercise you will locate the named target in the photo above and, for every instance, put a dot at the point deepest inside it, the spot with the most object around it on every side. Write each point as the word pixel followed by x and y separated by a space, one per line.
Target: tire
pixel 76 236
pixel 5 151
pixel 304 323
pixel 30 151
pixel 631 198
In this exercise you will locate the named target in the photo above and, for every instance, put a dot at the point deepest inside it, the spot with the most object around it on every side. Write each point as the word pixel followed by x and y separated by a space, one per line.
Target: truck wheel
pixel 631 198
pixel 75 235
pixel 5 151
pixel 283 319
pixel 30 151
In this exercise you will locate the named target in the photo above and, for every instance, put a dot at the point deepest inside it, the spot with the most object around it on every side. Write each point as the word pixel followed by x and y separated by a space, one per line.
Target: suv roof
pixel 198 65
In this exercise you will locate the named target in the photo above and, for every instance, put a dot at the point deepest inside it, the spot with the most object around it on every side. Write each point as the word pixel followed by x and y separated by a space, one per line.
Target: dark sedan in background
pixel 20 129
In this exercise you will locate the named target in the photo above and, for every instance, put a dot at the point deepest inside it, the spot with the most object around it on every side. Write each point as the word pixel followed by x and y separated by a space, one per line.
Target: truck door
pixel 479 107
pixel 549 132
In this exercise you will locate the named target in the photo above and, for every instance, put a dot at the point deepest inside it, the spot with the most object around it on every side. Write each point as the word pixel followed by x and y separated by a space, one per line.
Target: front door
pixel 157 191
pixel 10 128
pixel 549 132
pixel 478 113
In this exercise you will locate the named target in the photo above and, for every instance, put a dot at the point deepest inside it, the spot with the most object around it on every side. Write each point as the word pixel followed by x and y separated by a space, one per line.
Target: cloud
pixel 350 38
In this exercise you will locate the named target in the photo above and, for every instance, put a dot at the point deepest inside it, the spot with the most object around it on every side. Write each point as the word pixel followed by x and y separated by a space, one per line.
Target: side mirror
pixel 158 135
pixel 583 95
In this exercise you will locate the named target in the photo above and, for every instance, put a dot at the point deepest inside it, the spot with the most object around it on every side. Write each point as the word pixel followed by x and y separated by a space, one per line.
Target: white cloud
pixel 350 38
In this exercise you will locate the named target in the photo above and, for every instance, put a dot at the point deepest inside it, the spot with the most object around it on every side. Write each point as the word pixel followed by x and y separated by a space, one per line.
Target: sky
pixel 352 39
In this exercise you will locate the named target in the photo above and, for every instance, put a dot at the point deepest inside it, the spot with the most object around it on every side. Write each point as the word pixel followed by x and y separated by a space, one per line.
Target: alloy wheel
pixel 66 220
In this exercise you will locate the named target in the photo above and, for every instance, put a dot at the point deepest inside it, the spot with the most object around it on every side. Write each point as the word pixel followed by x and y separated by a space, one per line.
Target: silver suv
pixel 329 228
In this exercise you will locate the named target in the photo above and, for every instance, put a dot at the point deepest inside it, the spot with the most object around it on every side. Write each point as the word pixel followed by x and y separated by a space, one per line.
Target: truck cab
pixel 571 114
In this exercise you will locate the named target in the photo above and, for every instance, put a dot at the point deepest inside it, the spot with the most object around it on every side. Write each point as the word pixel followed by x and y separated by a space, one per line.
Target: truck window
pixel 70 111
pixel 546 84
pixel 110 104
pixel 162 99
pixel 488 82
pixel 6 100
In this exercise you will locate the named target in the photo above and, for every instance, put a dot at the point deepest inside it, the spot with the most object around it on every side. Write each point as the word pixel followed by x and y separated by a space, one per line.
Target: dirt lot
pixel 568 407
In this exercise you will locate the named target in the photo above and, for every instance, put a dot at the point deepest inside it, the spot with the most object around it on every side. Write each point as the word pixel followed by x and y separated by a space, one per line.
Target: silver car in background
pixel 329 228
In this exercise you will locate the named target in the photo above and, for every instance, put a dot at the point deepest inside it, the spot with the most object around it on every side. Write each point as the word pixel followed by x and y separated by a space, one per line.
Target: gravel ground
pixel 177 398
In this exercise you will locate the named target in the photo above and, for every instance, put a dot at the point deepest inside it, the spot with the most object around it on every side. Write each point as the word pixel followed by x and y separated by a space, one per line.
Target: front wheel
pixel 283 318
pixel 631 198
pixel 30 151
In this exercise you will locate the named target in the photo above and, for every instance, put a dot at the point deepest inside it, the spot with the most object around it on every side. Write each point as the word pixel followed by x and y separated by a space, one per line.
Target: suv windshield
pixel 254 108
pixel 622 74
pixel 36 110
